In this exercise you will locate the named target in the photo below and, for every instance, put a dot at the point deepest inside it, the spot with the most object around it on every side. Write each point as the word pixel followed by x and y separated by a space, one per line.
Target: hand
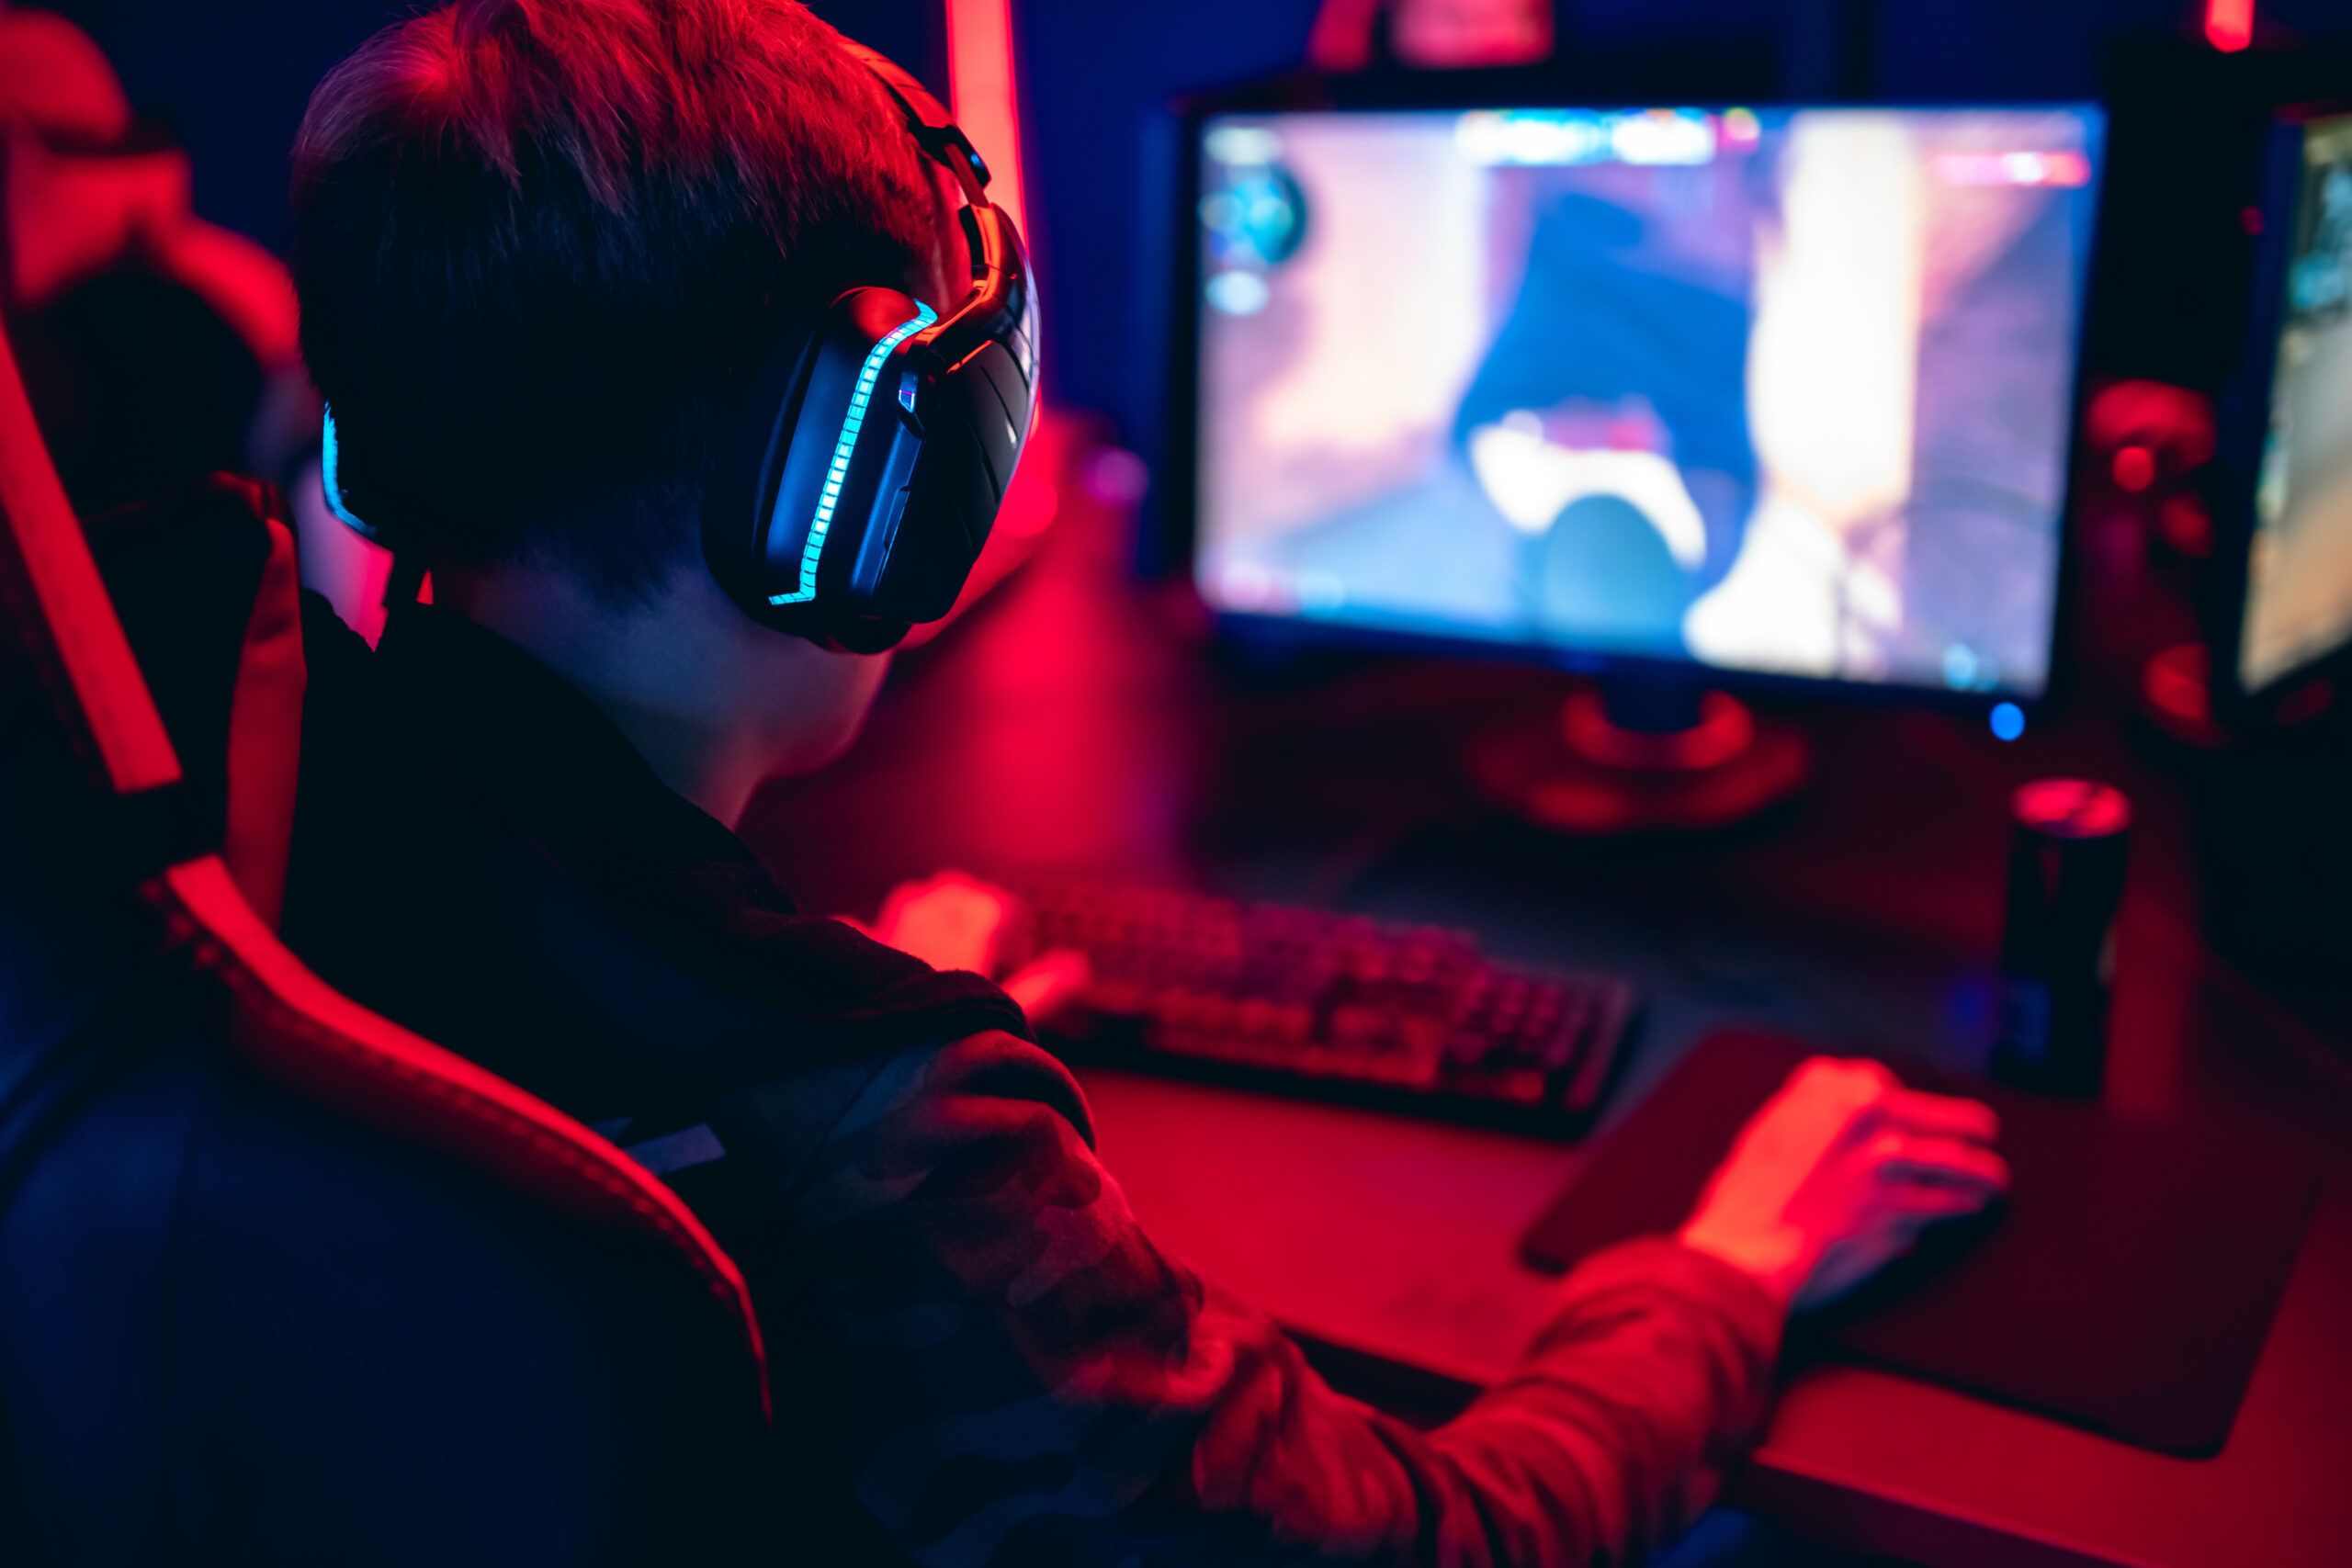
pixel 955 921
pixel 1837 1176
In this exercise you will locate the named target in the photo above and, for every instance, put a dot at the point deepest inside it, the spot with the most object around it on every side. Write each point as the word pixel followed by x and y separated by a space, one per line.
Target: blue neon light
pixel 822 524
pixel 331 481
pixel 2009 721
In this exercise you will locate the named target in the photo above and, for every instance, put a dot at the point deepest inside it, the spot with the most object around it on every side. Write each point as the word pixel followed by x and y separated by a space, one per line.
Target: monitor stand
pixel 1640 755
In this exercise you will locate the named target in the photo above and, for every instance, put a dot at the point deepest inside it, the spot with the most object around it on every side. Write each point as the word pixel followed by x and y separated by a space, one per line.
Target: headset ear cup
pixel 979 422
pixel 865 635
pixel 331 478
pixel 1002 430
pixel 736 500
pixel 867 478
pixel 946 523
pixel 791 505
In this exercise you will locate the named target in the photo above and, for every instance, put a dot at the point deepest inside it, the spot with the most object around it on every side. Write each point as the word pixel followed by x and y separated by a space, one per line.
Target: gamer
pixel 559 261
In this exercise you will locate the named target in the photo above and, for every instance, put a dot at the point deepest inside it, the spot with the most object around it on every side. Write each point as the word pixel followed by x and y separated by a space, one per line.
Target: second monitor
pixel 2285 513
pixel 1783 392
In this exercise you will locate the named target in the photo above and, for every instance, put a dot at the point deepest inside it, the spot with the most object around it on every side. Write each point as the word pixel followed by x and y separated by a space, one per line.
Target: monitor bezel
pixel 2243 421
pixel 1179 514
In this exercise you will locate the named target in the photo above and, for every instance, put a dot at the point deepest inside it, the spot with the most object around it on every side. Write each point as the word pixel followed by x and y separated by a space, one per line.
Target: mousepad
pixel 2126 1286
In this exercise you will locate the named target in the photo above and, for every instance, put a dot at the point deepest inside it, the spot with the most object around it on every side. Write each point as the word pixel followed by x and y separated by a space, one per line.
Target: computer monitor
pixel 1736 394
pixel 2285 524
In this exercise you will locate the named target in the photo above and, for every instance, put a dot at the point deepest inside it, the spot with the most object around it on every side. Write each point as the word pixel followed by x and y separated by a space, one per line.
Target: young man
pixel 539 243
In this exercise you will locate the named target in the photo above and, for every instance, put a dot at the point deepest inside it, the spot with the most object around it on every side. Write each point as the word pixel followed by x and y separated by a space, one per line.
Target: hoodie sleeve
pixel 1016 1374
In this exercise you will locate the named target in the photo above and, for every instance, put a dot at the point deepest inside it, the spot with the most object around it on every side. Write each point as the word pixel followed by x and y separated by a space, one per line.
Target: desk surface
pixel 1399 1239
pixel 1074 725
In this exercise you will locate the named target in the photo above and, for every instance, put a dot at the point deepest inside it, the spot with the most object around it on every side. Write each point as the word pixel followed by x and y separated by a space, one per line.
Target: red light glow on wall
pixel 986 97
pixel 2229 24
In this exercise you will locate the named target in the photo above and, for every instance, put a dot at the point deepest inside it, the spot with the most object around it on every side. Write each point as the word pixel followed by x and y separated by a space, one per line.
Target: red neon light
pixel 2135 469
pixel 987 97
pixel 1342 37
pixel 2229 24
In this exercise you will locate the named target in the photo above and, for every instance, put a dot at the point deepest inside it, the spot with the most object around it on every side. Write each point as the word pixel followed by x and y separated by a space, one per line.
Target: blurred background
pixel 190 150
pixel 1096 81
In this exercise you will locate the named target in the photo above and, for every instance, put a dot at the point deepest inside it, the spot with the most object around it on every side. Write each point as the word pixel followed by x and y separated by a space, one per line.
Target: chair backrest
pixel 129 809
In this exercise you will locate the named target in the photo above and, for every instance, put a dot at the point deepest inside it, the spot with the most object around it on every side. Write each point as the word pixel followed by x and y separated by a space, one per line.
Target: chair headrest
pixel 204 583
pixel 64 622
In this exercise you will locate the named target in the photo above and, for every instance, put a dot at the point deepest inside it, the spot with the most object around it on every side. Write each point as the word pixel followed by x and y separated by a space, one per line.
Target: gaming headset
pixel 877 451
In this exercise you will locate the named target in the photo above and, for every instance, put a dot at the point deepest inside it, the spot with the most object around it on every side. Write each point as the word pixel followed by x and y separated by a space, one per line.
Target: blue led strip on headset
pixel 823 522
pixel 330 478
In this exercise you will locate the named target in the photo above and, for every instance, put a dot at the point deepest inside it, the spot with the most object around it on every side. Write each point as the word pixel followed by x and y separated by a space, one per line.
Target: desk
pixel 1074 724
pixel 1399 1239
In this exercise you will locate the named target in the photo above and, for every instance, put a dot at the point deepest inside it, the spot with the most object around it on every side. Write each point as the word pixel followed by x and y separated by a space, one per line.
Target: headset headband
pixel 999 265
pixel 933 129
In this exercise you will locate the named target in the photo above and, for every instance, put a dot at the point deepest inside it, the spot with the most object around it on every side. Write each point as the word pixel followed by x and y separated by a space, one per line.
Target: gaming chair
pixel 198 1137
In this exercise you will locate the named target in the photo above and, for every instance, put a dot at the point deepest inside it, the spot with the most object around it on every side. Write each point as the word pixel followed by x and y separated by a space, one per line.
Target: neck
pixel 716 703
pixel 664 687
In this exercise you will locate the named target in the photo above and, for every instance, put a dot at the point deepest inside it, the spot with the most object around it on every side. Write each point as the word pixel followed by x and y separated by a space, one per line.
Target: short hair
pixel 541 244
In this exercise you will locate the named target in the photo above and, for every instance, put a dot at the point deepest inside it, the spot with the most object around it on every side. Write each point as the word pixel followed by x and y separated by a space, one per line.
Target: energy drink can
pixel 2066 861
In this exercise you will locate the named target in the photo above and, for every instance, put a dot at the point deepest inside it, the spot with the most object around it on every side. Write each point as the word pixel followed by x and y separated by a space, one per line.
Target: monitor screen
pixel 1785 390
pixel 2299 570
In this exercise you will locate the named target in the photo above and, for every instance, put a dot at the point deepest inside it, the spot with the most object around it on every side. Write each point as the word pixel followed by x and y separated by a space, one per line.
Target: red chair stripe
pixel 326 1046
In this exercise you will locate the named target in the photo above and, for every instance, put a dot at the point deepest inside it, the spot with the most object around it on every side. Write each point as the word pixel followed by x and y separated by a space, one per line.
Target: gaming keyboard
pixel 1333 1007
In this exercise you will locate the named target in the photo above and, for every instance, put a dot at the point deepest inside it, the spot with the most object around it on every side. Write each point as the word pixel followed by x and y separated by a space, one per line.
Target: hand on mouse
pixel 1837 1176
pixel 955 921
